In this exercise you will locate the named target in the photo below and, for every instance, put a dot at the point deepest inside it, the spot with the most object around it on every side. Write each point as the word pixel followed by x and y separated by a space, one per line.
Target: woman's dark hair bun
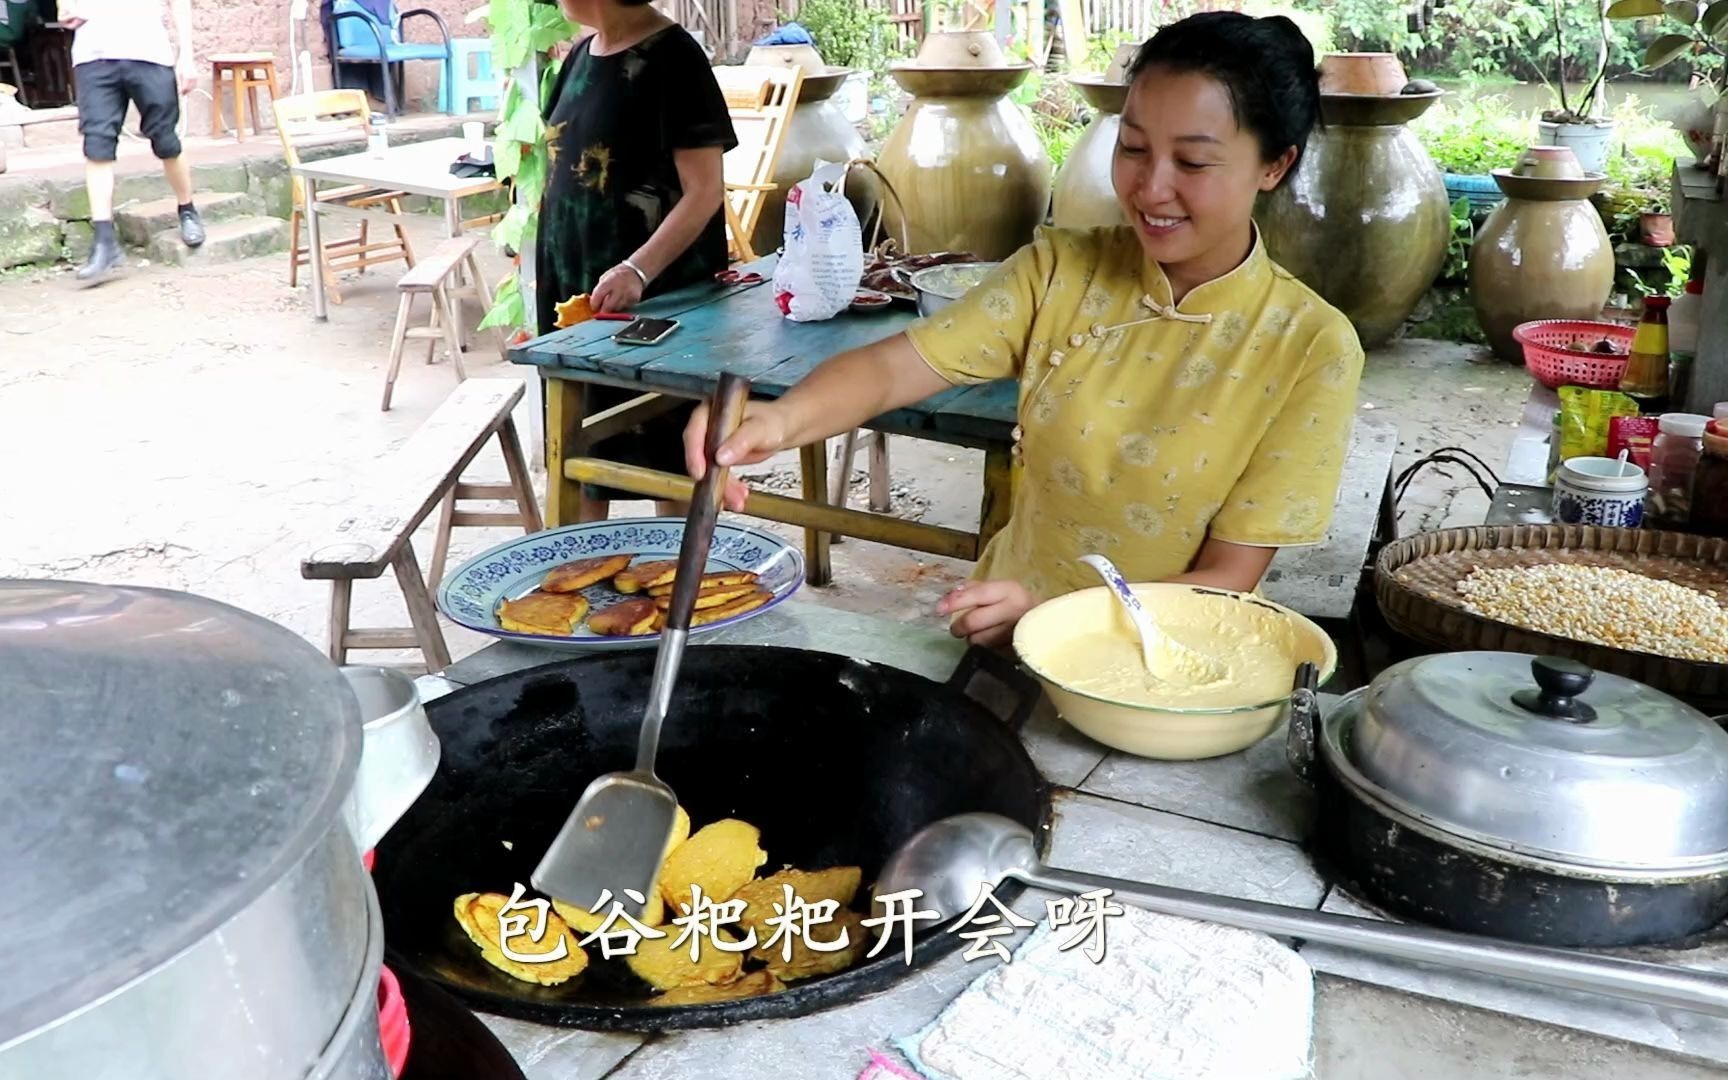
pixel 1266 64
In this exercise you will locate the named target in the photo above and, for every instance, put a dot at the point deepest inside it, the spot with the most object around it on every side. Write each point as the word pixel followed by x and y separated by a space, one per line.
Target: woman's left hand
pixel 987 610
pixel 619 289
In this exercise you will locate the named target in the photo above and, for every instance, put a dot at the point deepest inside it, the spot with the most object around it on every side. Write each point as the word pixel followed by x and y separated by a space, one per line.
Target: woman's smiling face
pixel 1186 173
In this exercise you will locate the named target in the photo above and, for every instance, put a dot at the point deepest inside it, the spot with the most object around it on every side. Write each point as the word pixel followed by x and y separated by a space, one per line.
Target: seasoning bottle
pixel 1646 377
pixel 1710 484
pixel 1673 465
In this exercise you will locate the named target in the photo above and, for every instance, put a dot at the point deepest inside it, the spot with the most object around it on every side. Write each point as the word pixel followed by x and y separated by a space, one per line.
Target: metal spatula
pixel 616 838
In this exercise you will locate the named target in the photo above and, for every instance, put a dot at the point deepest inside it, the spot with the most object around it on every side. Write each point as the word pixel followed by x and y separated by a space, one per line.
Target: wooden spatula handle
pixel 724 414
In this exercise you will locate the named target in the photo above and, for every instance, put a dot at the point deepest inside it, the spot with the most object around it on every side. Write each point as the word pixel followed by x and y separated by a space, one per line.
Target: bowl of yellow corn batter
pixel 1084 650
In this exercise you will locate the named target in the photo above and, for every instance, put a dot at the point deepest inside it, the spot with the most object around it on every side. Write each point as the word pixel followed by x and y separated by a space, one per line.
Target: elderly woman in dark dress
pixel 636 127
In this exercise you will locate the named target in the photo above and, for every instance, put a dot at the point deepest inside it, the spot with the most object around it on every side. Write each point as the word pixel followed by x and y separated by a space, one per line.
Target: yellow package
pixel 1584 416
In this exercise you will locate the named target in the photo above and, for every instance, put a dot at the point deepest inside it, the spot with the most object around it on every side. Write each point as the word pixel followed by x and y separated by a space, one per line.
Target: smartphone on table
pixel 645 331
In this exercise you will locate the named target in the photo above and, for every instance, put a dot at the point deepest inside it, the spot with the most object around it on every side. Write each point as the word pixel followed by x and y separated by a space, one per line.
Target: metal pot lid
pixel 1542 757
pixel 167 759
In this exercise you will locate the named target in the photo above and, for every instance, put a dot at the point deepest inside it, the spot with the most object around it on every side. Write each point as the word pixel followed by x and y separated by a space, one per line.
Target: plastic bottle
pixel 1646 378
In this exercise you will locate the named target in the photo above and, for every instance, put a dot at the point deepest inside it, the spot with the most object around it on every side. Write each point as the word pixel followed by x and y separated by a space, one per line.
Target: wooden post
pixel 1035 47
pixel 566 406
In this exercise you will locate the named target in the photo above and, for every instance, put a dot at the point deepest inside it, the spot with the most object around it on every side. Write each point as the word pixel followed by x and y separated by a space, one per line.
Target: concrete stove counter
pixel 1230 825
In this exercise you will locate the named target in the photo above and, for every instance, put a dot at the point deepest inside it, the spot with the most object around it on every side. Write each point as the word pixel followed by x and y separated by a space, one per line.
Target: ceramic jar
pixel 1365 221
pixel 1599 491
pixel 1543 253
pixel 965 161
pixel 1083 195
pixel 817 131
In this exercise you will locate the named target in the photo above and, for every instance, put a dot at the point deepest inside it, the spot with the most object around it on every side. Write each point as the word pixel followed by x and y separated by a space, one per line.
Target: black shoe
pixel 191 228
pixel 104 256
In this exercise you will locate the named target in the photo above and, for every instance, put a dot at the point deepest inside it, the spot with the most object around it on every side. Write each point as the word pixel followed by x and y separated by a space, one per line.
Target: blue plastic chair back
pixel 352 36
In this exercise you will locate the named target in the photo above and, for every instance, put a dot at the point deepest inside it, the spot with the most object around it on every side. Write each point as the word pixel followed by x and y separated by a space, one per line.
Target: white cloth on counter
pixel 1171 999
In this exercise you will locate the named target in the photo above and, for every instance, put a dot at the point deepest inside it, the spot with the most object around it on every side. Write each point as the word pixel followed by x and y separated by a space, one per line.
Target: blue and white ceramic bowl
pixel 470 596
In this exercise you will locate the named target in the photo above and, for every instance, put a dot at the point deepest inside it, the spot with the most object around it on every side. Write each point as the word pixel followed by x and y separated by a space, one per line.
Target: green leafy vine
pixel 523 33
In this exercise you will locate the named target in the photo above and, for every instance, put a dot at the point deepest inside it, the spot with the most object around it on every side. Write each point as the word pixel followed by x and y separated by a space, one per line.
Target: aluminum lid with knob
pixel 1541 758
pixel 167 760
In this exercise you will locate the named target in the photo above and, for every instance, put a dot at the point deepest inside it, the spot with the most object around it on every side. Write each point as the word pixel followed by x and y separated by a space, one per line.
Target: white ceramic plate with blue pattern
pixel 470 596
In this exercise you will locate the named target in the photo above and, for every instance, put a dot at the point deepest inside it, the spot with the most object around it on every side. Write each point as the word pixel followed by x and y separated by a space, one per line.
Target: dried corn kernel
pixel 1603 606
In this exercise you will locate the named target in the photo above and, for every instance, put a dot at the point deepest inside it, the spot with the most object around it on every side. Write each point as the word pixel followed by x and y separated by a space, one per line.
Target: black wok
pixel 836 760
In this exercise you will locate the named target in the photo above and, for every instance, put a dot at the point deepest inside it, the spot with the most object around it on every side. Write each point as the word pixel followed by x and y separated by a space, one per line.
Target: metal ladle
pixel 951 859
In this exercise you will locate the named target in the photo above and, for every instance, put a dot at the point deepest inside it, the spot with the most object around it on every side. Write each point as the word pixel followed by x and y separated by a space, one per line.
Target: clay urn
pixel 965 165
pixel 817 131
pixel 1543 253
pixel 1083 195
pixel 1365 220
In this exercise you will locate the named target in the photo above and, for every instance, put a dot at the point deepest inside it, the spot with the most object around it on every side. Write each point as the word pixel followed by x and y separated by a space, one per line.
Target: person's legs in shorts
pixel 156 91
pixel 102 102
pixel 106 88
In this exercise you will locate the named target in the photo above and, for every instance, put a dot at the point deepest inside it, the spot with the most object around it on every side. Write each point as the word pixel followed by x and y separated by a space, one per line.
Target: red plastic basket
pixel 392 1022
pixel 1553 365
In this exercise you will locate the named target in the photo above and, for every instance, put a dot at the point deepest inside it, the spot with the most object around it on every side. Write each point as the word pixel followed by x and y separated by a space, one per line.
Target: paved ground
pixel 196 429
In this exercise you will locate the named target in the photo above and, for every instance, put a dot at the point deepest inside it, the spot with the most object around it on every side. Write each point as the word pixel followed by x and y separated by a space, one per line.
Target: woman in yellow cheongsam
pixel 1185 402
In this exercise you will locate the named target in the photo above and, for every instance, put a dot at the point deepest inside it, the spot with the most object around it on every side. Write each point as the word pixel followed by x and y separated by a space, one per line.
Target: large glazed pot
pixel 817 131
pixel 1083 195
pixel 964 160
pixel 185 899
pixel 1365 220
pixel 1543 253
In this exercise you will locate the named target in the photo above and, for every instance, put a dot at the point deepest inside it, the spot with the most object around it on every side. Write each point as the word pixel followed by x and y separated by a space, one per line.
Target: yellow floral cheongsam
pixel 1144 427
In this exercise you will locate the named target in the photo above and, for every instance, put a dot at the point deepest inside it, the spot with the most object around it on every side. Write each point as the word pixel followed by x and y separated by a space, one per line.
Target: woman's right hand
pixel 761 434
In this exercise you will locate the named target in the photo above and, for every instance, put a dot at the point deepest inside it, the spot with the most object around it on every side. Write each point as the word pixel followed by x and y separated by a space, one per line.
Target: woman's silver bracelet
pixel 637 270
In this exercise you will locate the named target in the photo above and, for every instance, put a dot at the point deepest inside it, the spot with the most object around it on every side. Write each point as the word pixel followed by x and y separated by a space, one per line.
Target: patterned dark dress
pixel 613 123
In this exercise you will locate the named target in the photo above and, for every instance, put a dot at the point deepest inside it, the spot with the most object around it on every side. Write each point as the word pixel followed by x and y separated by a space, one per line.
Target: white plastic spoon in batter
pixel 1151 638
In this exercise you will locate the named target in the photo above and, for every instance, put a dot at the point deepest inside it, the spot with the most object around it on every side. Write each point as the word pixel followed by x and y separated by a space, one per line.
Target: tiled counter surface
pixel 1229 825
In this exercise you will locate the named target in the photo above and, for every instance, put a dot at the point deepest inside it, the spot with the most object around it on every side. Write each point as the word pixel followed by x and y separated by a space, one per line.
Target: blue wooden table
pixel 740 329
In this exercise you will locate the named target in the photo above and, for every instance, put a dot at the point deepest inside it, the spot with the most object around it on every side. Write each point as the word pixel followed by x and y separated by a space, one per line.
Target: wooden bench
pixel 424 472
pixel 437 275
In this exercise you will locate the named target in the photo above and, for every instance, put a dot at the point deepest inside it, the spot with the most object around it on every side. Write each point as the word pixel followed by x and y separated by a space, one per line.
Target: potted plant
pixel 1580 124
pixel 1691 29
pixel 1656 219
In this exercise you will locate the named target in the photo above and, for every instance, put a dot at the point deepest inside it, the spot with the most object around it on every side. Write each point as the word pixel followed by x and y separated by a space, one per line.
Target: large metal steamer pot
pixel 182 897
pixel 1527 798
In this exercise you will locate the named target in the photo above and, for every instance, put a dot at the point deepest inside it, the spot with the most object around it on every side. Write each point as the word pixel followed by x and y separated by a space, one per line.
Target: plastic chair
pixel 460 89
pixel 363 39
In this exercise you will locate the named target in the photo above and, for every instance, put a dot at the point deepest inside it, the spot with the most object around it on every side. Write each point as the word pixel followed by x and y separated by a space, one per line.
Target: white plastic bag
pixel 823 259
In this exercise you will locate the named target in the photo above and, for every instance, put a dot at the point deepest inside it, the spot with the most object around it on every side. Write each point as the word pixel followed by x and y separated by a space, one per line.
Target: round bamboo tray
pixel 1416 583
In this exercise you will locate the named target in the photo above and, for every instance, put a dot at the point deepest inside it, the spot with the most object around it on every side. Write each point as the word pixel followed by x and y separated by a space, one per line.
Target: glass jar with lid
pixel 1710 483
pixel 1673 461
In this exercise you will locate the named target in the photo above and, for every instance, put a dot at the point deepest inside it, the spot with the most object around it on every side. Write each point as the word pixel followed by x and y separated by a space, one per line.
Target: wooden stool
pixel 435 274
pixel 422 473
pixel 246 73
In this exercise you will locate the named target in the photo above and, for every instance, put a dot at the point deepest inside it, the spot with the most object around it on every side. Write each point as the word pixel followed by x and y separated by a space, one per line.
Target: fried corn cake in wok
pixel 478 915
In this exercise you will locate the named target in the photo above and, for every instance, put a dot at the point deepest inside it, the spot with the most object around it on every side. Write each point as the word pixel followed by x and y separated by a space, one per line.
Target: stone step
pixel 225 241
pixel 139 222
